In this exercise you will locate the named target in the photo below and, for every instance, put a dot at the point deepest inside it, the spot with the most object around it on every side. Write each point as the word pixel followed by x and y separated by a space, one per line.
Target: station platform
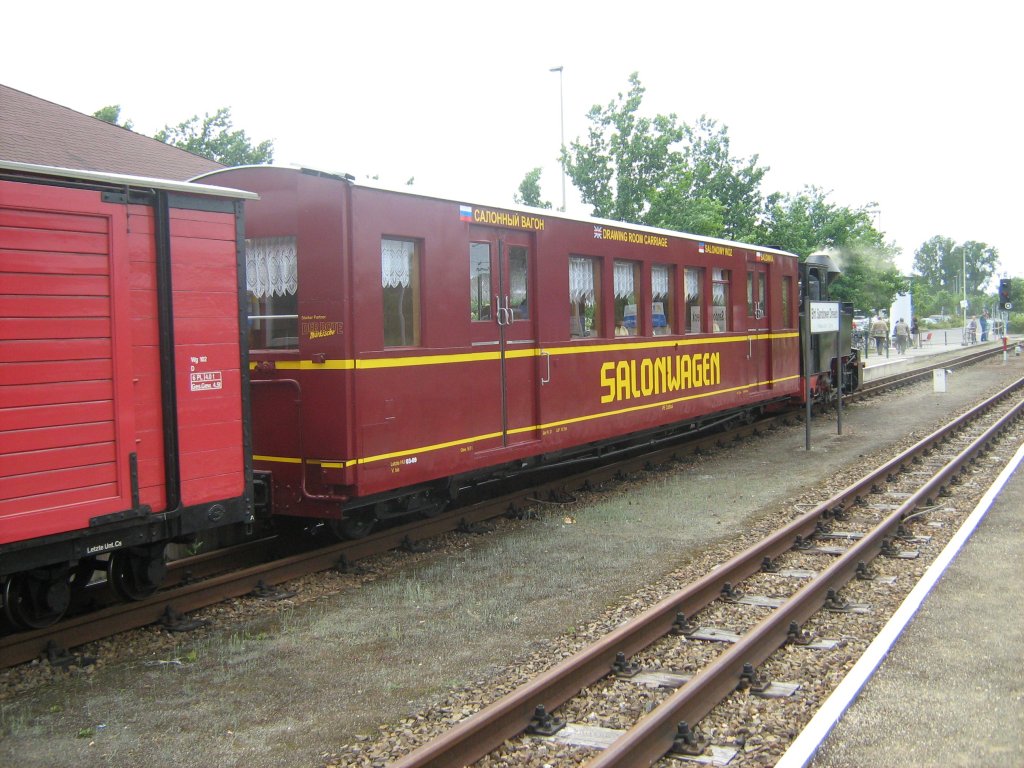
pixel 943 344
pixel 942 685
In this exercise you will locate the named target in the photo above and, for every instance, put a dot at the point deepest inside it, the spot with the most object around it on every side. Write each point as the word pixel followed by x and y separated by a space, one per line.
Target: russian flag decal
pixel 465 213
pixel 700 247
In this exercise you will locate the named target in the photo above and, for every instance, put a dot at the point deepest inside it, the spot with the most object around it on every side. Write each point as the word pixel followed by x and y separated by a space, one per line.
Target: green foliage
pixel 213 138
pixel 714 175
pixel 112 114
pixel 626 158
pixel 1017 292
pixel 660 172
pixel 870 280
pixel 808 221
pixel 529 190
pixel 939 266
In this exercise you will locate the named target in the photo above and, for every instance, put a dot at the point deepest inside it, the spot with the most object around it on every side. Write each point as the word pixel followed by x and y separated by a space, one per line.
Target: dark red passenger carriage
pixel 404 347
pixel 123 420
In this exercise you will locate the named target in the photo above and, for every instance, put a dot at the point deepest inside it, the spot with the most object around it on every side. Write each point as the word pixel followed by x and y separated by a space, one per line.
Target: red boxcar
pixel 123 418
pixel 403 346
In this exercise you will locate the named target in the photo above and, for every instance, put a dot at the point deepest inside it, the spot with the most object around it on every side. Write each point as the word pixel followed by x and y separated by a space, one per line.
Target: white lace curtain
pixel 692 285
pixel 659 282
pixel 518 288
pixel 396 262
pixel 624 271
pixel 581 280
pixel 720 286
pixel 271 268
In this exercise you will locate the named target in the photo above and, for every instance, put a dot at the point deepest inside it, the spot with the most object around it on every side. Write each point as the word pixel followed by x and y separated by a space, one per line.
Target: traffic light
pixel 1004 294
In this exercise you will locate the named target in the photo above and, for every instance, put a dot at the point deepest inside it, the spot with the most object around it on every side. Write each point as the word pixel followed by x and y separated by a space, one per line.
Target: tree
pixel 809 221
pixel 940 264
pixel 112 114
pixel 715 175
pixel 626 158
pixel 213 138
pixel 664 173
pixel 529 190
pixel 869 278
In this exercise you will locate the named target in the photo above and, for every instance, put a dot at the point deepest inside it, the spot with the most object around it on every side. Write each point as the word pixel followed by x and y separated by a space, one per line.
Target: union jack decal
pixel 598 232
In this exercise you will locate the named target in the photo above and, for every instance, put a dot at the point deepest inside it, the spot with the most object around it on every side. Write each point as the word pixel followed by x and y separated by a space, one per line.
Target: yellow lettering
pixel 685 377
pixel 661 375
pixel 633 379
pixel 622 381
pixel 607 382
pixel 506 219
pixel 646 377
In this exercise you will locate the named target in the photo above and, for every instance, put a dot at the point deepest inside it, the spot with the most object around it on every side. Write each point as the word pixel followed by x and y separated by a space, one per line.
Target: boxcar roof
pixel 123 180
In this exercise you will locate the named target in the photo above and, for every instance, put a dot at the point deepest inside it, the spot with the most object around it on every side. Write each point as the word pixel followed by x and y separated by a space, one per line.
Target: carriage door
pixel 759 344
pixel 503 320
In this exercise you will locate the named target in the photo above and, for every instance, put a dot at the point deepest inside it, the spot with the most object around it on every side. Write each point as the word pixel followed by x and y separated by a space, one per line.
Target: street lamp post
pixel 963 252
pixel 561 110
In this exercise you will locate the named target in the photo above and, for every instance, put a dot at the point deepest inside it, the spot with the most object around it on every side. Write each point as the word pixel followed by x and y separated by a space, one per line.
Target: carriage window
pixel 756 306
pixel 400 280
pixel 479 281
pixel 584 297
pixel 694 299
pixel 719 300
pixel 627 284
pixel 662 298
pixel 517 288
pixel 272 281
pixel 787 287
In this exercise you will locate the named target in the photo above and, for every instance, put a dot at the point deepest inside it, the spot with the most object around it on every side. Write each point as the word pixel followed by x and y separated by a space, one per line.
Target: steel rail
pixel 869 388
pixel 653 736
pixel 509 716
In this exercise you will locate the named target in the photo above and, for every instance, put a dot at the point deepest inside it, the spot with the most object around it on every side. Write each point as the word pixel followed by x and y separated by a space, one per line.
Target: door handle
pixel 498 310
pixel 546 379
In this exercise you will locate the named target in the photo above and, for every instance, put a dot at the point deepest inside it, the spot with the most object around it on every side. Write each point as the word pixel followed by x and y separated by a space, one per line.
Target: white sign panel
pixel 824 316
pixel 206 381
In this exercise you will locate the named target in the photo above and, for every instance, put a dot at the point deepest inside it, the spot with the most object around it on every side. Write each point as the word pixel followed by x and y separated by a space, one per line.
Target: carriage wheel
pixel 355 526
pixel 36 599
pixel 136 573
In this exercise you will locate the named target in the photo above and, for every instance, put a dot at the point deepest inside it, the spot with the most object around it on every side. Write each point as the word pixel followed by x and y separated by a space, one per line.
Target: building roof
pixel 33 130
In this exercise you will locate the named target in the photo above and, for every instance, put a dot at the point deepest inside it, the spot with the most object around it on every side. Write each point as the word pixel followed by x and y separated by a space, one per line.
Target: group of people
pixel 973 326
pixel 901 334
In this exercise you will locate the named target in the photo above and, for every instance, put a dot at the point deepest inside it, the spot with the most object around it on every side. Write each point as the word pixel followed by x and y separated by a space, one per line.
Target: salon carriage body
pixel 404 348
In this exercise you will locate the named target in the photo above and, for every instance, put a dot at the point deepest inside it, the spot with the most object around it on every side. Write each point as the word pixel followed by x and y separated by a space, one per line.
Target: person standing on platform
pixel 879 332
pixel 983 322
pixel 902 333
pixel 915 333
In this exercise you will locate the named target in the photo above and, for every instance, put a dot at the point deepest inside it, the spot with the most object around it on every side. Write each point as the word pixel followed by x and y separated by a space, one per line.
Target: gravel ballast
pixel 358 661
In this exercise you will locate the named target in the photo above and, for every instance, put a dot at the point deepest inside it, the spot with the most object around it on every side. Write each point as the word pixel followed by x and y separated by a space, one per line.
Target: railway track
pixel 195 583
pixel 550 713
pixel 906 378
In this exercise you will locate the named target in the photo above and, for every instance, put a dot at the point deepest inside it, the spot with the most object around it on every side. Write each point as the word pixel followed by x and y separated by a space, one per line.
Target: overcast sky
pixel 915 107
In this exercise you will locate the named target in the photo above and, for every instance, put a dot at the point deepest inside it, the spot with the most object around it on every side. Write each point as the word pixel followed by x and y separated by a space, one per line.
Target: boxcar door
pixel 501 274
pixel 759 345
